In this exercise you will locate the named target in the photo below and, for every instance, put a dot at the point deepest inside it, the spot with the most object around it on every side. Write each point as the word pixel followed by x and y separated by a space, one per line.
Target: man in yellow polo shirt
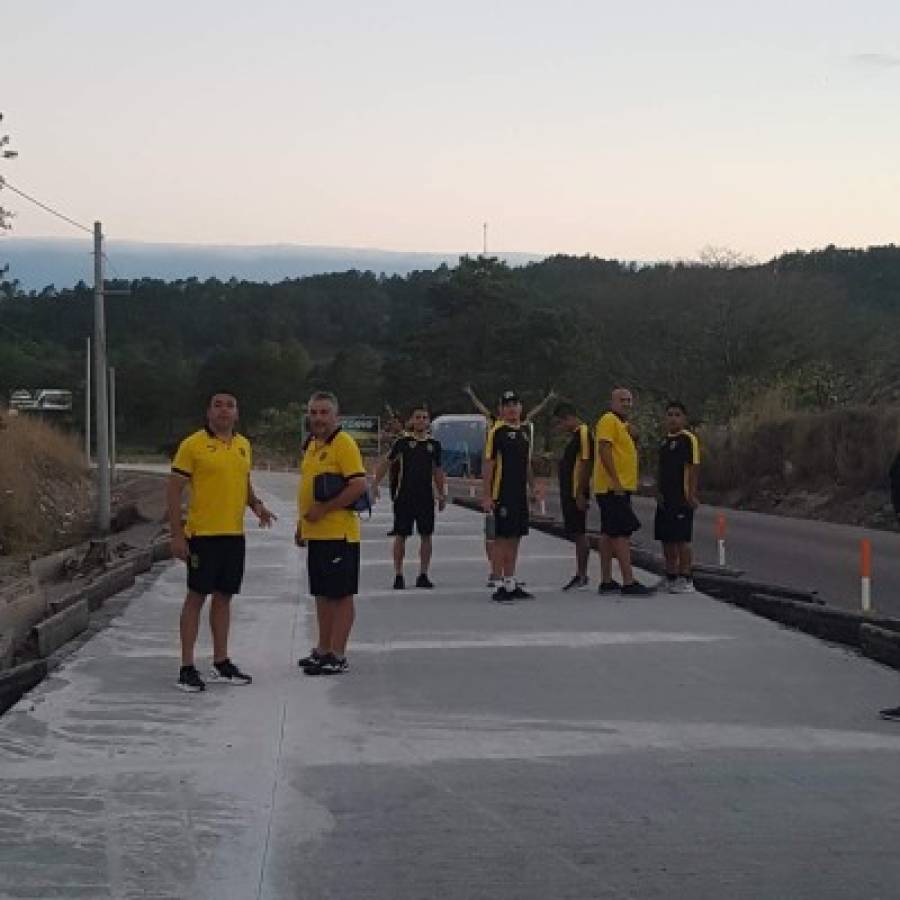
pixel 615 480
pixel 216 462
pixel 329 527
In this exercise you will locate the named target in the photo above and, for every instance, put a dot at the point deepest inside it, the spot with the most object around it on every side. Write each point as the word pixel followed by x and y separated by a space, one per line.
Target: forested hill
pixel 820 328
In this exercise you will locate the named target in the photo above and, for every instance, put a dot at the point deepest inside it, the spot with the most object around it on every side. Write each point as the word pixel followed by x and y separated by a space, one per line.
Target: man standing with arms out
pixel 574 487
pixel 330 529
pixel 418 459
pixel 615 480
pixel 495 577
pixel 679 458
pixel 216 462
pixel 507 482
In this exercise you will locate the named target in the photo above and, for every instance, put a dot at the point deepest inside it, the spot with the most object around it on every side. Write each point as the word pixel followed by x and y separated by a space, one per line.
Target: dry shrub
pixel 846 447
pixel 44 486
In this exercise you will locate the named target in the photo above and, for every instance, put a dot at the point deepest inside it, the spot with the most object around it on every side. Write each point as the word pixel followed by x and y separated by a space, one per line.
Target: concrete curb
pixel 60 628
pixel 14 683
pixel 880 644
pixel 875 636
pixel 71 617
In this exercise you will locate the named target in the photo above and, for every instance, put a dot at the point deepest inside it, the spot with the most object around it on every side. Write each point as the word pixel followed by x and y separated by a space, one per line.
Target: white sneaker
pixel 680 586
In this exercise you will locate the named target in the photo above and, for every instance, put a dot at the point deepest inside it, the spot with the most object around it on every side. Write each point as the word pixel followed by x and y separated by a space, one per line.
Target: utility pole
pixel 87 404
pixel 112 424
pixel 101 395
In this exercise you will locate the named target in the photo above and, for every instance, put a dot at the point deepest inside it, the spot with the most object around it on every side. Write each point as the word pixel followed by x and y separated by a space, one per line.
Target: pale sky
pixel 638 131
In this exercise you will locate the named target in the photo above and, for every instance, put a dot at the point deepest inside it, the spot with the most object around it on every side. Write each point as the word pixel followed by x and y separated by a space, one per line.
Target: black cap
pixel 509 397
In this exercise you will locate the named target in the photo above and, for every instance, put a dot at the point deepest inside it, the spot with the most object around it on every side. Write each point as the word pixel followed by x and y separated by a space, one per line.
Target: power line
pixel 5 184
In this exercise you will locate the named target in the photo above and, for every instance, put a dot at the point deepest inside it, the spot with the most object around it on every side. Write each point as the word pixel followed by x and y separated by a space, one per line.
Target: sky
pixel 635 131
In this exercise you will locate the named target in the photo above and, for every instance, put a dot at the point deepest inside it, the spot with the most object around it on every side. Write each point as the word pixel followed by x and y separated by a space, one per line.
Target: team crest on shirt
pixel 412 445
pixel 323 455
pixel 673 445
pixel 430 447
pixel 242 451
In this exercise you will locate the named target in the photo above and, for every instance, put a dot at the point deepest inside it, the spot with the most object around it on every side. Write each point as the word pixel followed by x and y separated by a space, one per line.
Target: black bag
pixel 328 485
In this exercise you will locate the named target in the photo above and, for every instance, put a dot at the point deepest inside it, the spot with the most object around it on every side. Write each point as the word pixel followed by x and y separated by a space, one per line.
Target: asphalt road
pixel 799 553
pixel 570 747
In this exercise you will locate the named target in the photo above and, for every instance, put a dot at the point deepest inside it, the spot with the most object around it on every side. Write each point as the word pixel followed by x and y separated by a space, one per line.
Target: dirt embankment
pixel 47 497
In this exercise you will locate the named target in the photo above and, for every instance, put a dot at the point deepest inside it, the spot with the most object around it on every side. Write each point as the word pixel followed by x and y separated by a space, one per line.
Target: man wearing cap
pixel 615 480
pixel 507 482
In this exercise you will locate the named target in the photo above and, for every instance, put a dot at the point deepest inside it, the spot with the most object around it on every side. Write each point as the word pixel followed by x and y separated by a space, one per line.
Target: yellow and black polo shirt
pixel 677 453
pixel 219 473
pixel 580 448
pixel 510 448
pixel 337 455
pixel 613 430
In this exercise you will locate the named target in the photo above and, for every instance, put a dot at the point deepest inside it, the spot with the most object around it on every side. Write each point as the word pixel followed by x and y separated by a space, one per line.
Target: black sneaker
pixel 228 672
pixel 189 680
pixel 502 595
pixel 892 715
pixel 329 664
pixel 334 665
pixel 609 587
pixel 311 660
pixel 636 589
pixel 520 594
pixel 423 582
pixel 576 583
pixel 399 583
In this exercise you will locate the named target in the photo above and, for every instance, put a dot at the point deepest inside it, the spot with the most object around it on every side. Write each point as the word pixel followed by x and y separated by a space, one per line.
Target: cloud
pixel 877 60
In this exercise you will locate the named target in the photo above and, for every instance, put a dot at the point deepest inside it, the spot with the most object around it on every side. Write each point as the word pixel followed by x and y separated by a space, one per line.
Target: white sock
pixel 509 583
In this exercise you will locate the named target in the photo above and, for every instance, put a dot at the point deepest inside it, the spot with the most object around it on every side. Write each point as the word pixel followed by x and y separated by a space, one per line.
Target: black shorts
pixel 409 512
pixel 574 519
pixel 511 518
pixel 617 518
pixel 216 564
pixel 333 568
pixel 674 524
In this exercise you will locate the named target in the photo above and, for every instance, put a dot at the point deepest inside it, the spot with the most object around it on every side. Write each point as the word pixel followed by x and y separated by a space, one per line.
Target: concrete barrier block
pixel 58 604
pixel 161 549
pixel 116 579
pixel 56 630
pixel 19 680
pixel 7 651
pixel 22 606
pixel 141 561
pixel 881 644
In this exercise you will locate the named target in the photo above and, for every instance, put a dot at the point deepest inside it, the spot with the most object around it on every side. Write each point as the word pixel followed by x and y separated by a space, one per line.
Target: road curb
pixel 70 618
pixel 877 637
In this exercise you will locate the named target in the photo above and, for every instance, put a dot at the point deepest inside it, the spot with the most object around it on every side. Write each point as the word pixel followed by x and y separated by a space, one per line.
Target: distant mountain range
pixel 62 262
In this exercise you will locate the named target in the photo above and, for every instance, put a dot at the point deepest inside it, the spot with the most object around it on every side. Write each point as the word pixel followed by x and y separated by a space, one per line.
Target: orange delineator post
pixel 865 574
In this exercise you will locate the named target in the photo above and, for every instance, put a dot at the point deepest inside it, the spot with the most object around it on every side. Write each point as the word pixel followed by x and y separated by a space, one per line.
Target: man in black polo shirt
pixel 417 457
pixel 679 458
pixel 574 487
pixel 507 482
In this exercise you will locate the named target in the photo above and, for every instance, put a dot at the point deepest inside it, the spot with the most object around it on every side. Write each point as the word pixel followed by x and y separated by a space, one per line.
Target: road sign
pixel 365 430
pixel 41 400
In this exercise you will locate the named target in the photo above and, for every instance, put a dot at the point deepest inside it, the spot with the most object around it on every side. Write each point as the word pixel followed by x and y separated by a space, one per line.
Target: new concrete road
pixel 570 747
pixel 798 553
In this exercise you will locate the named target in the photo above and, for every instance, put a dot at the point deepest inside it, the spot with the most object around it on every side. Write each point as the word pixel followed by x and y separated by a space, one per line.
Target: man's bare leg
pixel 325 620
pixel 219 624
pixel 399 554
pixel 425 550
pixel 344 612
pixel 604 548
pixel 621 549
pixel 189 625
pixel 582 555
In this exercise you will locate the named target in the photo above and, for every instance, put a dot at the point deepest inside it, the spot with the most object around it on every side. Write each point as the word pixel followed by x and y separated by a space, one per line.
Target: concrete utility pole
pixel 87 403
pixel 101 395
pixel 112 424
